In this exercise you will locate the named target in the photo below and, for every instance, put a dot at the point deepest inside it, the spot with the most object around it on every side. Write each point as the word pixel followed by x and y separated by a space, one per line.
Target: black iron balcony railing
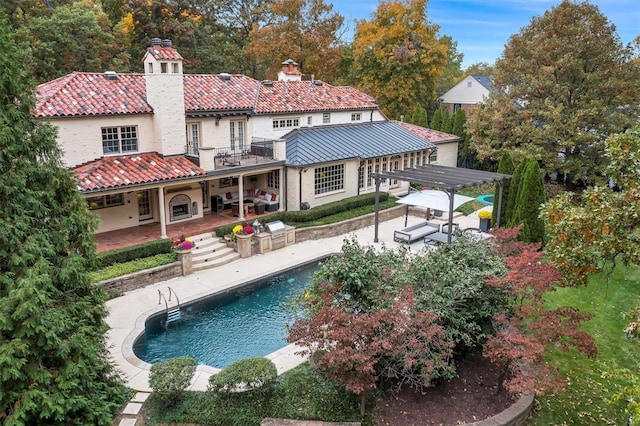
pixel 259 151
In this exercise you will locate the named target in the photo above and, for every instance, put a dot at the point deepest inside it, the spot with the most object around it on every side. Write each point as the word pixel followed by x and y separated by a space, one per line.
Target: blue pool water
pixel 246 322
pixel 486 199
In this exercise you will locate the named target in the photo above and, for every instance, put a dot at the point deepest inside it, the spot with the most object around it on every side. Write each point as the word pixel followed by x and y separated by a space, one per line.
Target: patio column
pixel 240 197
pixel 501 182
pixel 163 219
pixel 375 237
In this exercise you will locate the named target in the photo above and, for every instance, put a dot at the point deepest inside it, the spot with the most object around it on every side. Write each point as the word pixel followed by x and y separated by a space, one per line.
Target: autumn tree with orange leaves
pixel 397 56
pixel 307 31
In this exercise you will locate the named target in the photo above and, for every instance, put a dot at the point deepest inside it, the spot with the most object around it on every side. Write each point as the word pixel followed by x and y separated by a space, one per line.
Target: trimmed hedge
pixel 246 374
pixel 302 216
pixel 139 251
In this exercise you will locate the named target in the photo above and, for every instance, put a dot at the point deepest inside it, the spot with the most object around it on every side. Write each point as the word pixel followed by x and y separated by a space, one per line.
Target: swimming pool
pixel 486 199
pixel 226 327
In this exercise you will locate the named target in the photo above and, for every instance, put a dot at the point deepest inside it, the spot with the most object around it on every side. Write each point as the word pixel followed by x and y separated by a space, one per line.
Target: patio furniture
pixel 438 238
pixel 476 233
pixel 235 209
pixel 415 232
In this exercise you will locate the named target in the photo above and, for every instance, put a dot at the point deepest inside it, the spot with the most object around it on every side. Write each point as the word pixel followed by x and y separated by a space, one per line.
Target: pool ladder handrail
pixel 173 314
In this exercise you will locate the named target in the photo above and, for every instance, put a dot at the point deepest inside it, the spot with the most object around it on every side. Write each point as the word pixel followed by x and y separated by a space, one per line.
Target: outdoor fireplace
pixel 179 207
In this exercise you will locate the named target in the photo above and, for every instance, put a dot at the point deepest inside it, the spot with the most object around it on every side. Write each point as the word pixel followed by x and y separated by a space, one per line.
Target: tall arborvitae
pixel 54 366
pixel 512 199
pixel 436 120
pixel 530 198
pixel 505 166
pixel 419 116
pixel 447 122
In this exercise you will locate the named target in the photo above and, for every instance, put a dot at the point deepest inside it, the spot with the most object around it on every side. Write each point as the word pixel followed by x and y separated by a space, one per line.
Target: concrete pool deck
pixel 128 313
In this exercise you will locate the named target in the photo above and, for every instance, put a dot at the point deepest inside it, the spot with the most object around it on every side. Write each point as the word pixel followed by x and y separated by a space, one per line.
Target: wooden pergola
pixel 448 179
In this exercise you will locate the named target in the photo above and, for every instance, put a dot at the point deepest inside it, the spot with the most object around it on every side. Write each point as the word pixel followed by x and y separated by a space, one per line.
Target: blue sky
pixel 483 27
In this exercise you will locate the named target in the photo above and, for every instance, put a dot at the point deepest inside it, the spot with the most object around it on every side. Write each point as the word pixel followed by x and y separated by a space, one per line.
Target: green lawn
pixel 595 387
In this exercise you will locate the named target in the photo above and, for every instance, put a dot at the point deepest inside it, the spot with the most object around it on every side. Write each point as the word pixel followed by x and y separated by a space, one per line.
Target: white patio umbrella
pixel 432 199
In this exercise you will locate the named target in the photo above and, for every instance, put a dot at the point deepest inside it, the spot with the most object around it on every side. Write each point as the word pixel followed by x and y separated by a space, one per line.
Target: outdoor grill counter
pixel 277 236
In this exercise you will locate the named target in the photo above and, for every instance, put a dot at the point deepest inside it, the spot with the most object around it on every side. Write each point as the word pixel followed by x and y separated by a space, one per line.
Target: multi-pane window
pixel 116 140
pixel 329 179
pixel 326 118
pixel 105 201
pixel 356 116
pixel 286 123
pixel 273 179
pixel 433 157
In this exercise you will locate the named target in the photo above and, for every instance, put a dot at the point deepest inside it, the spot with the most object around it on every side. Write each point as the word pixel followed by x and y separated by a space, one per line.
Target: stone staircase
pixel 210 252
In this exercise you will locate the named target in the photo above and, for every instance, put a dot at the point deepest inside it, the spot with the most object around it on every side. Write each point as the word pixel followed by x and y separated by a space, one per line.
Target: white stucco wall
pixel 165 94
pixel 81 138
pixel 118 217
pixel 447 154
pixel 262 125
pixel 308 186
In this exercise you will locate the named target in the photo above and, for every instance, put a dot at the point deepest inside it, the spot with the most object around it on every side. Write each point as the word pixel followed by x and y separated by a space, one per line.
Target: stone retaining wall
pixel 346 226
pixel 142 278
pixel 516 415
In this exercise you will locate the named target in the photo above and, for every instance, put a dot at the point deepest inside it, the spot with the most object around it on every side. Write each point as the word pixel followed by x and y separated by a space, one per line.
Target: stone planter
pixel 485 225
pixel 186 258
pixel 244 245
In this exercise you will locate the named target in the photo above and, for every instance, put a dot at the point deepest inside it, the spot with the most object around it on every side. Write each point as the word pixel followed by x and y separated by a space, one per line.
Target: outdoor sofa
pixel 416 232
pixel 271 200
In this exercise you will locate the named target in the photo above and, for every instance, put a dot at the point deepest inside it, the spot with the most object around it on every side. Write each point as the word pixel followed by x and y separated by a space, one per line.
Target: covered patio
pixel 448 179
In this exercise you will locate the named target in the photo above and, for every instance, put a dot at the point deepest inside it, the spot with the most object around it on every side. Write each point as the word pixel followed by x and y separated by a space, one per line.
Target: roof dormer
pixel 162 58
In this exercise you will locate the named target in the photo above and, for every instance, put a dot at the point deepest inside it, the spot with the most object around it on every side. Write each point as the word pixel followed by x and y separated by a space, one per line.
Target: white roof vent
pixel 110 75
pixel 225 76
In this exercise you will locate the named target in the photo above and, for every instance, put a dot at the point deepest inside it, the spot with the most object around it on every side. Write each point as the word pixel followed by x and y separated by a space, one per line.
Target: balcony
pixel 259 151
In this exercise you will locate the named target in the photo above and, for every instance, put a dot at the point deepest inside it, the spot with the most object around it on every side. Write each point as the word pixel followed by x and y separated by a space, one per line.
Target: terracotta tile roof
pixel 433 136
pixel 122 171
pixel 164 53
pixel 91 94
pixel 216 92
pixel 289 96
pixel 87 94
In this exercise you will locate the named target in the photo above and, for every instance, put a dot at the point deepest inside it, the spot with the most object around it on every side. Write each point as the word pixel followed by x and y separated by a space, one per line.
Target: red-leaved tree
pixel 522 338
pixel 358 349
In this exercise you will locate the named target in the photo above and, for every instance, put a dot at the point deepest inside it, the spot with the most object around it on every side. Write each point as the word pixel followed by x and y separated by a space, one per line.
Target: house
pixel 164 146
pixel 467 94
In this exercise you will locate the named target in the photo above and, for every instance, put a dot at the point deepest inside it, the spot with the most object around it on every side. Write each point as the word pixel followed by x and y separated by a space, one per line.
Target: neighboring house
pixel 467 94
pixel 166 147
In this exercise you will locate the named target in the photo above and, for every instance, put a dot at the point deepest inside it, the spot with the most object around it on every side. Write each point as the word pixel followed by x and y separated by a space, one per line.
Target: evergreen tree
pixel 505 166
pixel 447 122
pixel 530 198
pixel 436 121
pixel 53 359
pixel 460 130
pixel 514 187
pixel 419 116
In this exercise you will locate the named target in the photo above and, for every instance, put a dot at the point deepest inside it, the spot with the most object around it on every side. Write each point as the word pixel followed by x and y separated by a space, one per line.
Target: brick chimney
pixel 290 71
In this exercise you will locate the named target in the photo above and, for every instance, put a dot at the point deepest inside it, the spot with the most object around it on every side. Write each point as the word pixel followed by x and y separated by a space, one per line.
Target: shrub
pixel 171 377
pixel 121 269
pixel 246 374
pixel 138 251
